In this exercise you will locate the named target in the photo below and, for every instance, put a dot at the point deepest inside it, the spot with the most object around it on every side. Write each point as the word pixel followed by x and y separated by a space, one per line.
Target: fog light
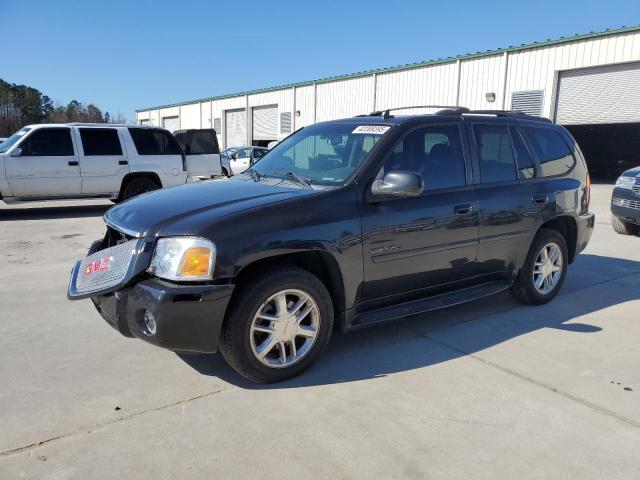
pixel 149 323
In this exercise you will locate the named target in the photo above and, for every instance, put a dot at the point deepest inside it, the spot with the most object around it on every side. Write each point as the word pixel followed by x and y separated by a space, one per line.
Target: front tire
pixel 277 326
pixel 622 227
pixel 544 270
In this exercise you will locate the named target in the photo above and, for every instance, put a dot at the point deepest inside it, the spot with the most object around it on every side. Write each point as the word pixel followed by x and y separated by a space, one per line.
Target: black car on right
pixel 625 203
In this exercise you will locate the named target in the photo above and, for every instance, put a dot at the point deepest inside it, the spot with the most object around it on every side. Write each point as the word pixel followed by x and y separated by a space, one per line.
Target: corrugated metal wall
pixel 464 82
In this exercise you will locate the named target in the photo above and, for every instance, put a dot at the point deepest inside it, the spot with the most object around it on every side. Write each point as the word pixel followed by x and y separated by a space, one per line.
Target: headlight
pixel 183 259
pixel 625 182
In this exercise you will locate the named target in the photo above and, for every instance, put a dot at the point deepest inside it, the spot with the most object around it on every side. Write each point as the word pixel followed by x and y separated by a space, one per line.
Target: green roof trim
pixel 409 66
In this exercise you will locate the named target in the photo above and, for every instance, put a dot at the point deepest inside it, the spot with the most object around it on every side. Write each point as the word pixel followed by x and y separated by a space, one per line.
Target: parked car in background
pixel 77 160
pixel 244 157
pixel 625 203
pixel 382 218
pixel 202 151
pixel 225 159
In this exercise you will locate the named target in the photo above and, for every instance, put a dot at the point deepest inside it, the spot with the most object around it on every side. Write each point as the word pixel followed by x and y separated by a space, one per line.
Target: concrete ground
pixel 491 389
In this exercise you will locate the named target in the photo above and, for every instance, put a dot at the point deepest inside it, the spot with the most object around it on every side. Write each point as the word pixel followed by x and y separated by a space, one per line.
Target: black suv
pixel 344 224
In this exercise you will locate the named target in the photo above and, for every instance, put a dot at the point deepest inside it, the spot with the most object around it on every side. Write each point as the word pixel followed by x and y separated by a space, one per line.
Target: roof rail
pixel 96 124
pixel 447 110
pixel 508 113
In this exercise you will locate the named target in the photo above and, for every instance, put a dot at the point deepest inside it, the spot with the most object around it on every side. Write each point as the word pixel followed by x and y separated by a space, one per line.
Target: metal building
pixel 590 83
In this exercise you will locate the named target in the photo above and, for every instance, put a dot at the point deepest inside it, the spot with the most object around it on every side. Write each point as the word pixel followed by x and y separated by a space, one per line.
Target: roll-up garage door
pixel 235 128
pixel 171 123
pixel 265 123
pixel 607 94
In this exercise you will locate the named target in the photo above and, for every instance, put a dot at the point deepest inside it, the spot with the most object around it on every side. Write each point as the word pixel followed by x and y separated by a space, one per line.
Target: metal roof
pixel 408 66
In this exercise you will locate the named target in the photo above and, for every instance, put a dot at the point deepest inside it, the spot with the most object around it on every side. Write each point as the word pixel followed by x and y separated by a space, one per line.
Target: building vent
pixel 217 125
pixel 529 102
pixel 285 122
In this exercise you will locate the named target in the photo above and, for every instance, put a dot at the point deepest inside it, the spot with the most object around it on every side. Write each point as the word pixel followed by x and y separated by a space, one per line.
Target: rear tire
pixel 544 270
pixel 260 349
pixel 622 227
pixel 138 186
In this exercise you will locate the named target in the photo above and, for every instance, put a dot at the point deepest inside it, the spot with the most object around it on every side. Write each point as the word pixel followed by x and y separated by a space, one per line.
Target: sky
pixel 125 55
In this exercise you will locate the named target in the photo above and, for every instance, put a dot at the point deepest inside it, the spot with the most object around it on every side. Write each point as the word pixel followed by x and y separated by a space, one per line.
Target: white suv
pixel 54 161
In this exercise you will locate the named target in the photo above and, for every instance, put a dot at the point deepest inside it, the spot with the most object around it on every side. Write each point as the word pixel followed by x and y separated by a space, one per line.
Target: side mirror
pixel 398 183
pixel 17 152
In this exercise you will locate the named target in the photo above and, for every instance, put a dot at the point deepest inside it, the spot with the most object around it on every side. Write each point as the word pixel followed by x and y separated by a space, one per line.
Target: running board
pixel 427 304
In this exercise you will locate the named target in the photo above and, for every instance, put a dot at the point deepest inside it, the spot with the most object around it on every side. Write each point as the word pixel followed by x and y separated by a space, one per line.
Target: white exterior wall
pixel 190 116
pixel 463 82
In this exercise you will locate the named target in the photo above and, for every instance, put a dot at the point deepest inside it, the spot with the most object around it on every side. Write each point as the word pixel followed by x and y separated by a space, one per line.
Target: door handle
pixel 73 163
pixel 463 209
pixel 540 199
pixel 123 162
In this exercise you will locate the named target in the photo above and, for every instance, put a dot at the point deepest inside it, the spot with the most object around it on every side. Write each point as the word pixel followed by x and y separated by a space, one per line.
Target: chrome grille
pixel 105 268
pixel 625 202
pixel 636 186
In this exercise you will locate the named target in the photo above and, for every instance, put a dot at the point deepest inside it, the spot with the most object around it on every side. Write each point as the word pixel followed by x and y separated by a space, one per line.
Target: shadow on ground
pixel 423 340
pixel 48 213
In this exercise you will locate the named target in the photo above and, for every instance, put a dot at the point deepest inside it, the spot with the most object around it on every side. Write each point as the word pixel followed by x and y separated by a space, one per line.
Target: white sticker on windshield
pixel 371 129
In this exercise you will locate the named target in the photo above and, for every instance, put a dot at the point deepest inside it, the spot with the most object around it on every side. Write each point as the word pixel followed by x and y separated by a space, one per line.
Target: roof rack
pixel 445 110
pixel 508 113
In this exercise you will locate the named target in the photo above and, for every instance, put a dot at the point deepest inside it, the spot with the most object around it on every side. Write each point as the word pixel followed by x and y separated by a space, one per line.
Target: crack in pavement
pixel 91 429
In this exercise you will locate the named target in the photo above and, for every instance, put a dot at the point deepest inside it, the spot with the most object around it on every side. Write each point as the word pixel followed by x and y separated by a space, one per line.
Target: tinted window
pixel 154 142
pixel 204 142
pixel 258 153
pixel 48 142
pixel 495 153
pixel 553 153
pixel 435 153
pixel 525 162
pixel 100 141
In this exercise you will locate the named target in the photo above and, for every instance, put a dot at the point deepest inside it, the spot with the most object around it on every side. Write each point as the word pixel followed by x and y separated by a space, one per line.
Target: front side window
pixel 48 142
pixel 553 153
pixel 154 142
pixel 324 154
pixel 13 139
pixel 495 153
pixel 258 153
pixel 100 141
pixel 435 152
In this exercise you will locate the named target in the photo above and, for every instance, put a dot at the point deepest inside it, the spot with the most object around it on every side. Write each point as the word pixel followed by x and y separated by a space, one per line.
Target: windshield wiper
pixel 297 178
pixel 255 176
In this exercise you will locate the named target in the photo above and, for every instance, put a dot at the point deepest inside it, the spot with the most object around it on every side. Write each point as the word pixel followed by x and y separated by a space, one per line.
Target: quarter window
pixel 497 163
pixel 100 141
pixel 48 142
pixel 553 153
pixel 154 142
pixel 525 162
pixel 435 152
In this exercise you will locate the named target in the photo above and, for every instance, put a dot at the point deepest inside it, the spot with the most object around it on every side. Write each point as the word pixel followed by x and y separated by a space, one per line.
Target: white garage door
pixel 171 123
pixel 608 94
pixel 235 128
pixel 265 123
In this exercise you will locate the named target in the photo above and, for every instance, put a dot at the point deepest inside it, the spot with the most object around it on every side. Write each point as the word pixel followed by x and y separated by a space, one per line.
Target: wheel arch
pixel 567 227
pixel 317 262
pixel 133 175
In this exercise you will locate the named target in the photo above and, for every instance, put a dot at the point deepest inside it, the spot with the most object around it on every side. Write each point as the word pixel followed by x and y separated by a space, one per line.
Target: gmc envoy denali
pixel 344 224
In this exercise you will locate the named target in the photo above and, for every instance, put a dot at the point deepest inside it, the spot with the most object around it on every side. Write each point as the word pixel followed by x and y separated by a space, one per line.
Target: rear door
pixel 412 245
pixel 510 194
pixel 47 165
pixel 202 151
pixel 103 162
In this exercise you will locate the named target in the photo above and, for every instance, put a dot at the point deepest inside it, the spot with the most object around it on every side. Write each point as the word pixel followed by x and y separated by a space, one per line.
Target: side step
pixel 431 303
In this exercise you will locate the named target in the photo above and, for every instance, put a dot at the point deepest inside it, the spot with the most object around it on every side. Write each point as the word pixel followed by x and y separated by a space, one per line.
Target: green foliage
pixel 21 105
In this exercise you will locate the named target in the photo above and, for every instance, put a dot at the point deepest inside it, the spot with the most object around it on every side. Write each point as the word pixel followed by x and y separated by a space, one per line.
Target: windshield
pixel 325 154
pixel 11 141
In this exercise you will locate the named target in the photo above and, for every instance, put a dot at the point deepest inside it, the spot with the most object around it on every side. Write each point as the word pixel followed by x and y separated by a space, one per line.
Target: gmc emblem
pixel 100 265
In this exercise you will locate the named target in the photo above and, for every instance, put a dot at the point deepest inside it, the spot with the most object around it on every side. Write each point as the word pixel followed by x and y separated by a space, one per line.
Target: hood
pixel 632 172
pixel 189 209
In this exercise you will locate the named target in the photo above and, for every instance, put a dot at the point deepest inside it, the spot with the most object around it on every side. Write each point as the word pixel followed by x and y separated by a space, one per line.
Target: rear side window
pixel 258 153
pixel 495 153
pixel 100 141
pixel 48 142
pixel 526 168
pixel 435 152
pixel 154 142
pixel 553 153
pixel 204 142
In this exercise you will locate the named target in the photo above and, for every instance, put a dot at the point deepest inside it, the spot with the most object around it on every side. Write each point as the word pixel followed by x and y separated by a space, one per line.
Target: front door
pixel 47 165
pixel 241 160
pixel 411 245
